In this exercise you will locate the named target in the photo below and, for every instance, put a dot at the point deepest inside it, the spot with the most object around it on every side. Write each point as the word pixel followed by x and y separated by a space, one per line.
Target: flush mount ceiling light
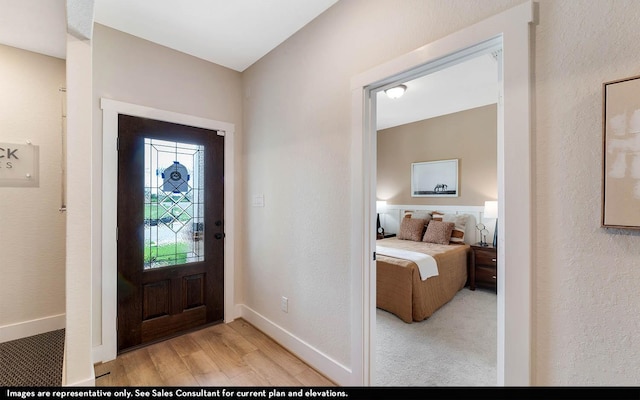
pixel 396 91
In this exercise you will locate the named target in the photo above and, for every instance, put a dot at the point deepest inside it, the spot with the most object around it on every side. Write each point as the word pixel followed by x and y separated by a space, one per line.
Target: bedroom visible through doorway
pixel 450 113
pixel 512 28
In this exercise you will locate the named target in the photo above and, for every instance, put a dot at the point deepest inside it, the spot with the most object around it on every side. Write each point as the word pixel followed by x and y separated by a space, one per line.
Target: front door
pixel 170 229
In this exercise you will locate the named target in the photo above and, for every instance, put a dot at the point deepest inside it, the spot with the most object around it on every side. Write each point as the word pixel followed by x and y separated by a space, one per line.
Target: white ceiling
pixel 231 33
pixel 35 25
pixel 235 34
pixel 469 84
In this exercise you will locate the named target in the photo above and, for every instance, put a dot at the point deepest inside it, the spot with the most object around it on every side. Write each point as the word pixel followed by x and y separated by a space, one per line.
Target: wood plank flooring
pixel 234 354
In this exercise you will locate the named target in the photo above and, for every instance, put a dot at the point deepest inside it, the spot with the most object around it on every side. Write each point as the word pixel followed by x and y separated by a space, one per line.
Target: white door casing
pixel 515 230
pixel 107 350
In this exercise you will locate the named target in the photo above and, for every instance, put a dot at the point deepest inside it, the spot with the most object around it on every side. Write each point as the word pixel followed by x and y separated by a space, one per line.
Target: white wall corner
pixel 301 349
pixel 78 361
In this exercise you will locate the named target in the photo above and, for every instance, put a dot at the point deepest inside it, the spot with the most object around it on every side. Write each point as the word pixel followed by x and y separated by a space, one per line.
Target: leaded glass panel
pixel 173 203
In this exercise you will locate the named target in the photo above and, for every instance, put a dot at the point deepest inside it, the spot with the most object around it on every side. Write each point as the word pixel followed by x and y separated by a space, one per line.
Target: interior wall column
pixel 78 364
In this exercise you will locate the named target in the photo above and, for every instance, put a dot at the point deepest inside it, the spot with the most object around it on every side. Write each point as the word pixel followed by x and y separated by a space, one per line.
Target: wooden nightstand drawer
pixel 486 275
pixel 483 268
pixel 484 257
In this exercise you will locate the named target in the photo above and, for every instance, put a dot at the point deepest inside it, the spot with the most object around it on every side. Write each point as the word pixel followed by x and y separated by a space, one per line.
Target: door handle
pixel 218 235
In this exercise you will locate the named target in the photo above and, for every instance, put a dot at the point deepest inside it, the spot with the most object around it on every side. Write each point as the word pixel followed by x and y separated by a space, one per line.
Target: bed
pixel 401 287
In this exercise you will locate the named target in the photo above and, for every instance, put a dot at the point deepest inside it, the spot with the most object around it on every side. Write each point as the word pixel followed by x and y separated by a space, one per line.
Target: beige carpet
pixel 456 346
pixel 33 361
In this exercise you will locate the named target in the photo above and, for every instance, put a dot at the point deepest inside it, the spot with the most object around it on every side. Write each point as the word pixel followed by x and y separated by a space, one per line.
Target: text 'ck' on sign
pixel 19 165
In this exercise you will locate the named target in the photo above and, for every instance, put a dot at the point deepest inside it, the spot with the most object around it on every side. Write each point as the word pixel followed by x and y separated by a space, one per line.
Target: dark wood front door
pixel 170 229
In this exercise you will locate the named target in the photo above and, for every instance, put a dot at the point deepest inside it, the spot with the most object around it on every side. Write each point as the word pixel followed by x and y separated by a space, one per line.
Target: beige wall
pixel 32 229
pixel 469 136
pixel 586 284
pixel 133 70
pixel 297 153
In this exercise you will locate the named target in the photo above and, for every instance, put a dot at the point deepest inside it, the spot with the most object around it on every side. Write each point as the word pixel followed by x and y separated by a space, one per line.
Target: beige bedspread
pixel 399 288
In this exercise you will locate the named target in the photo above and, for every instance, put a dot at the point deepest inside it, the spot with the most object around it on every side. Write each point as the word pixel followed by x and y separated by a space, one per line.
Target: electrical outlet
pixel 284 304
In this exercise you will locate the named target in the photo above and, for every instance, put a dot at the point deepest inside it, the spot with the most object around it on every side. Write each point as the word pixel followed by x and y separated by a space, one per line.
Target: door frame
pixel 110 110
pixel 515 166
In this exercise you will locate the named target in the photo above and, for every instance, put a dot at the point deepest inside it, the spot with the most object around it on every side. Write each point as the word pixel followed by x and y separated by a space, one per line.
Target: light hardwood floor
pixel 234 354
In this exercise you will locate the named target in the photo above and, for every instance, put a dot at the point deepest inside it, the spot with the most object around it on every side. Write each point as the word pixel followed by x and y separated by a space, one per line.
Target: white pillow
pixel 460 222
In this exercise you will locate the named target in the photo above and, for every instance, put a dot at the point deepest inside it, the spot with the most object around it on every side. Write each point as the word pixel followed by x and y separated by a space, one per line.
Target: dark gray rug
pixel 33 361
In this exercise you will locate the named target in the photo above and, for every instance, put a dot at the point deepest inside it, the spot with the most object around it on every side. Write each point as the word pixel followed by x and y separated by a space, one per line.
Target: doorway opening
pixel 511 28
pixel 448 113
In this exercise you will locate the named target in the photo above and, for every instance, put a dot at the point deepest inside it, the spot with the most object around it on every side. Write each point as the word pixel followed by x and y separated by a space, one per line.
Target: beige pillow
pixel 411 229
pixel 438 232
pixel 460 222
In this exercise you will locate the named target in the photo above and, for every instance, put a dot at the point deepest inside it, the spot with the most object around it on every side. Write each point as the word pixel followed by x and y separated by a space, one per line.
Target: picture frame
pixel 621 154
pixel 435 178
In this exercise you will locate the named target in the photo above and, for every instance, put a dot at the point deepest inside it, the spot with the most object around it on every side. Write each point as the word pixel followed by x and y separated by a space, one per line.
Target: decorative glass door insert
pixel 173 203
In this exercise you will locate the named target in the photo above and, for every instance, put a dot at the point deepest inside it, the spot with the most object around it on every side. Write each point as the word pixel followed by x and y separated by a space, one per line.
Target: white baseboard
pixel 87 382
pixel 333 370
pixel 91 381
pixel 103 353
pixel 29 328
pixel 236 312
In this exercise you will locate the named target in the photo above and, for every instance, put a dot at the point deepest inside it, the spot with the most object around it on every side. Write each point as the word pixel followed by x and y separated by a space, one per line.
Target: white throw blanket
pixel 427 265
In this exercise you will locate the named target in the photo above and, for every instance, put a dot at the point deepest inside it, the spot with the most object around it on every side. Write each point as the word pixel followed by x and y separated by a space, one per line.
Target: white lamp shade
pixel 381 204
pixel 490 209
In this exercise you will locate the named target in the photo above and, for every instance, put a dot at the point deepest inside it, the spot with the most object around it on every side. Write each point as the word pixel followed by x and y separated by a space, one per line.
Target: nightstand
pixel 483 268
pixel 385 235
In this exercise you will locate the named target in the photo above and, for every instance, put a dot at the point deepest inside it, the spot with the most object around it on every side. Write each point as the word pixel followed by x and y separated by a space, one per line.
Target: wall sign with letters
pixel 19 165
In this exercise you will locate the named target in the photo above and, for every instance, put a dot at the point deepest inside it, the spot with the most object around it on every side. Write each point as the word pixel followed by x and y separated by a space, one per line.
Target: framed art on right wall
pixel 621 154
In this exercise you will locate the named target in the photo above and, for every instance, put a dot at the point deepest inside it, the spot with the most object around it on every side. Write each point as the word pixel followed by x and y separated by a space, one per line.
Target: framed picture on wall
pixel 621 154
pixel 434 178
